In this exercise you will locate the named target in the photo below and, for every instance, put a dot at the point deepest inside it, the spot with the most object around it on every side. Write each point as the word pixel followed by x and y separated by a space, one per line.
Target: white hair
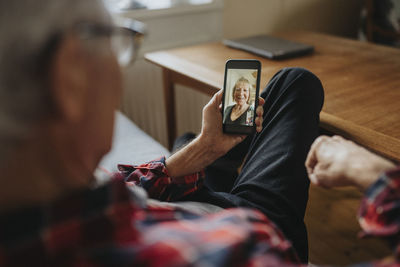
pixel 26 28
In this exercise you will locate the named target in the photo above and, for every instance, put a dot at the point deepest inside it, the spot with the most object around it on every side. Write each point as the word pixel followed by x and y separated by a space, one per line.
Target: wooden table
pixel 361 81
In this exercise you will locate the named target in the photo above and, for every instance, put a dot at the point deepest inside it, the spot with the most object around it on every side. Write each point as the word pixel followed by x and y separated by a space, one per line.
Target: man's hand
pixel 334 161
pixel 211 134
pixel 211 144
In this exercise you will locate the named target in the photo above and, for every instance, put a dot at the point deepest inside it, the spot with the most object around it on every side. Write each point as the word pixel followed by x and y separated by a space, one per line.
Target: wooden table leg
pixel 169 101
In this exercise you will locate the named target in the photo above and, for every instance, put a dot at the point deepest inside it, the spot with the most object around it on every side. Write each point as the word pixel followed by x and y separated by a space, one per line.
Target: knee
pixel 304 76
pixel 297 84
pixel 305 83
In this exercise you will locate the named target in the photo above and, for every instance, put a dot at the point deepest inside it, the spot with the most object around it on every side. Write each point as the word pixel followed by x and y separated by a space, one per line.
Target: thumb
pixel 215 100
pixel 238 139
pixel 322 177
pixel 218 97
pixel 313 178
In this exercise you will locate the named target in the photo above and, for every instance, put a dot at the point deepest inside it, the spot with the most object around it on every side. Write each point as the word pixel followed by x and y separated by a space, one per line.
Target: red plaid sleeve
pixel 379 214
pixel 154 178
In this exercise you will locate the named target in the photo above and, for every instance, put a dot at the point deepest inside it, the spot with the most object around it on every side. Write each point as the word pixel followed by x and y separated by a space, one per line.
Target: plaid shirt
pixel 114 226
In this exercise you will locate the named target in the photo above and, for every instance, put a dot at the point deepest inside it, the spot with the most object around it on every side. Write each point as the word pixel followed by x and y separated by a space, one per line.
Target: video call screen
pixel 240 93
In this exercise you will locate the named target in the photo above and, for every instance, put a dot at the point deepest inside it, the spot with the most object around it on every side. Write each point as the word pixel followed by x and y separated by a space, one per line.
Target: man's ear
pixel 69 79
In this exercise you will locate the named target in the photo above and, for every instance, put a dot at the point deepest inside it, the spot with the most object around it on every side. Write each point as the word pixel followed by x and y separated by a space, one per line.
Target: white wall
pixel 339 17
pixel 143 97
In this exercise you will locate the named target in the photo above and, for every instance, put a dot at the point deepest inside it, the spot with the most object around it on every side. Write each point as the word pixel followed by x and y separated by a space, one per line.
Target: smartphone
pixel 240 96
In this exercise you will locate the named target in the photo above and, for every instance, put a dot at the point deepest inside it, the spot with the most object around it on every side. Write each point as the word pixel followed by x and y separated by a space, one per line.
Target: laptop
pixel 270 47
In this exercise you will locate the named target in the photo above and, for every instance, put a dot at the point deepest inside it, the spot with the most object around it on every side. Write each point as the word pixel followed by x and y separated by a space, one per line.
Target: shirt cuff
pixel 379 213
pixel 154 178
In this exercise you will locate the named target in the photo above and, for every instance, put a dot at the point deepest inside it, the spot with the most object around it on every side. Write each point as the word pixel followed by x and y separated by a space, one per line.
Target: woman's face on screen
pixel 242 93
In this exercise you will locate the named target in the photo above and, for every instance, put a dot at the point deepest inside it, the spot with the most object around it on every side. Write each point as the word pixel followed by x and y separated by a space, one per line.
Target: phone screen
pixel 240 99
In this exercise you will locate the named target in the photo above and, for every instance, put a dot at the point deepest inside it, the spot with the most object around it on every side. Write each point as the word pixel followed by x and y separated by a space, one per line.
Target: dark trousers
pixel 273 178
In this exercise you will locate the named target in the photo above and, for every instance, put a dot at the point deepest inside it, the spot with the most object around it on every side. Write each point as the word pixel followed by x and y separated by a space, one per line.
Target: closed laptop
pixel 270 47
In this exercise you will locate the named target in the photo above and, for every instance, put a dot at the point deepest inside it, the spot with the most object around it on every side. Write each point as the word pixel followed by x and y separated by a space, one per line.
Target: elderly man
pixel 59 86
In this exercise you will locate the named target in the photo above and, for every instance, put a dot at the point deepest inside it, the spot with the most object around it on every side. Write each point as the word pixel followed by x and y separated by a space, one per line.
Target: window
pixel 123 5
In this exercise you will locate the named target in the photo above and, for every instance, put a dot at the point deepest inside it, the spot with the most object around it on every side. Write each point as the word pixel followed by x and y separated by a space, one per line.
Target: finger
pixel 238 139
pixel 337 138
pixel 319 141
pixel 259 121
pixel 260 111
pixel 322 177
pixel 242 137
pixel 220 107
pixel 313 179
pixel 312 158
pixel 261 101
pixel 311 161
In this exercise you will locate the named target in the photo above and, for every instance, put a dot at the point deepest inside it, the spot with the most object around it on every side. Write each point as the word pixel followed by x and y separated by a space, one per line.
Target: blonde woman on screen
pixel 241 112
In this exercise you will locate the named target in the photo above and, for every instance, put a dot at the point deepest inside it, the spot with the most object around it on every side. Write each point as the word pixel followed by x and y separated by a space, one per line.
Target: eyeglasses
pixel 125 37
